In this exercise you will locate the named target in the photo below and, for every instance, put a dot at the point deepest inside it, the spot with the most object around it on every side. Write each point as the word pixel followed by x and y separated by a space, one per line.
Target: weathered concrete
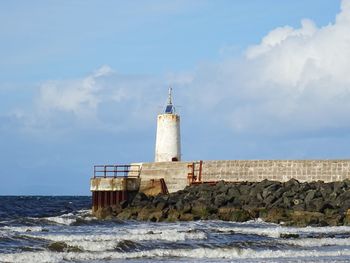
pixel 114 184
pixel 175 173
pixel 152 187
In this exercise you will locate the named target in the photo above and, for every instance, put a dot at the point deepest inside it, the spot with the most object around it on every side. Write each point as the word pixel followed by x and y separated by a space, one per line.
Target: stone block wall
pixel 279 170
pixel 175 173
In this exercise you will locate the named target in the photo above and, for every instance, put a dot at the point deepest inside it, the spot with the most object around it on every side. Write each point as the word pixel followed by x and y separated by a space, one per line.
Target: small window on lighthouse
pixel 174 159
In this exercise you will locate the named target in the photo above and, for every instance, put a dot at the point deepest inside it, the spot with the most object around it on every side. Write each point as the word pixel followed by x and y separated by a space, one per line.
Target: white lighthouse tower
pixel 168 142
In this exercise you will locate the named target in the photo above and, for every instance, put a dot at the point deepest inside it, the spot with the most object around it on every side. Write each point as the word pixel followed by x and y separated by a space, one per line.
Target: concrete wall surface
pixel 114 184
pixel 175 173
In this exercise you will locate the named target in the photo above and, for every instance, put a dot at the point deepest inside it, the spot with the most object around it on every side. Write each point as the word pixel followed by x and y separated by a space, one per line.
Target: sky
pixel 81 83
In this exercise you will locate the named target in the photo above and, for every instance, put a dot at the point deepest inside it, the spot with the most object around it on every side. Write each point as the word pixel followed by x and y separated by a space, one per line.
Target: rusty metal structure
pixel 112 184
pixel 194 175
pixel 163 186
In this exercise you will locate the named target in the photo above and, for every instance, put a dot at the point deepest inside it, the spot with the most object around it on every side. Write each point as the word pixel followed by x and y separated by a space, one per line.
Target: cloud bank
pixel 295 81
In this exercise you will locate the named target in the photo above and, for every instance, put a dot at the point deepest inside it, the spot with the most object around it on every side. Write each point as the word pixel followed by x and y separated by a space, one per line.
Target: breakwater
pixel 289 203
pixel 175 173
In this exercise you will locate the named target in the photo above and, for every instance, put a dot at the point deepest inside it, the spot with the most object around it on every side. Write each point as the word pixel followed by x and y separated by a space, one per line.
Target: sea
pixel 62 229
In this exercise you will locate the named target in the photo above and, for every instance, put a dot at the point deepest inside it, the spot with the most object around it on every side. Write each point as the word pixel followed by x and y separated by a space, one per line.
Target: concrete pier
pixel 112 184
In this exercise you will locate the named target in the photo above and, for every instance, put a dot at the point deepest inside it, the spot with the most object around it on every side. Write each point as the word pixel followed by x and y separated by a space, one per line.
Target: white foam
pixel 38 257
pixel 111 243
pixel 96 246
pixel 198 253
pixel 318 242
pixel 68 219
pixel 61 220
pixel 91 239
pixel 257 221
pixel 22 228
pixel 277 231
pixel 85 213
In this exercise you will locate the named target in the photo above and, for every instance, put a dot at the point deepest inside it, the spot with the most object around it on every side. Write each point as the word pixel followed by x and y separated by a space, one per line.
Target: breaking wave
pixel 103 242
pixel 20 229
pixel 197 253
pixel 318 242
pixel 65 231
pixel 81 216
pixel 277 231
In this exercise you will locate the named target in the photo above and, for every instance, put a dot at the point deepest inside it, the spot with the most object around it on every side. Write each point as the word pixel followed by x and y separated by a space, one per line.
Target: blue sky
pixel 81 83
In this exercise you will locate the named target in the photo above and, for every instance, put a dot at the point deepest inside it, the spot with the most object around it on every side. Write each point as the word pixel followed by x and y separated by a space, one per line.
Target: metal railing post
pixel 127 170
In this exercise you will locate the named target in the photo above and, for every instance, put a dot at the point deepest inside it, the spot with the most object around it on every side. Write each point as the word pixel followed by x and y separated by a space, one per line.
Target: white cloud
pixel 295 81
pixel 299 57
pixel 281 34
pixel 80 97
pixel 104 100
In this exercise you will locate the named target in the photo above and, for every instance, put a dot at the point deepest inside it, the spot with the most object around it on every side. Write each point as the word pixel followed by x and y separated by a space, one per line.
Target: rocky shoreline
pixel 291 203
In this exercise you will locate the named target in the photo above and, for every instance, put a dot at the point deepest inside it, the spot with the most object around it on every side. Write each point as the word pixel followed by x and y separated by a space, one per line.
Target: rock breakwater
pixel 288 203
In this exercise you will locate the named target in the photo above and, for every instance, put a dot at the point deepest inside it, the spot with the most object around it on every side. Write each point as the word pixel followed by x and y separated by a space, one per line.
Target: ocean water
pixel 30 226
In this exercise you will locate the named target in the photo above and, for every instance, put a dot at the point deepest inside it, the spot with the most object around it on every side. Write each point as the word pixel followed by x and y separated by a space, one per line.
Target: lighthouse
pixel 168 141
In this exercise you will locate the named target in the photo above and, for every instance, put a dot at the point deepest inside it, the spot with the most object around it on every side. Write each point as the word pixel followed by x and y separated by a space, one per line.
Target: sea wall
pixel 175 173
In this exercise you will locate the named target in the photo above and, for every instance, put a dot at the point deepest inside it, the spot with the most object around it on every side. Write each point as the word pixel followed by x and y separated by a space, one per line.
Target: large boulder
pixel 128 213
pixel 173 215
pixel 186 217
pixel 315 205
pixel 244 189
pixel 140 200
pixel 200 210
pixel 309 196
pixel 306 218
pixel 233 214
pixel 222 187
pixel 273 215
pixel 347 218
pixel 270 190
pixel 220 200
pixel 157 215
pixel 292 183
pixel 103 213
pixel 232 193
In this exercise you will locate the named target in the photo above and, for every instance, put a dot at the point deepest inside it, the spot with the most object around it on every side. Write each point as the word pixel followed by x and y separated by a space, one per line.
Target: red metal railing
pixel 109 170
pixel 195 172
pixel 194 175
